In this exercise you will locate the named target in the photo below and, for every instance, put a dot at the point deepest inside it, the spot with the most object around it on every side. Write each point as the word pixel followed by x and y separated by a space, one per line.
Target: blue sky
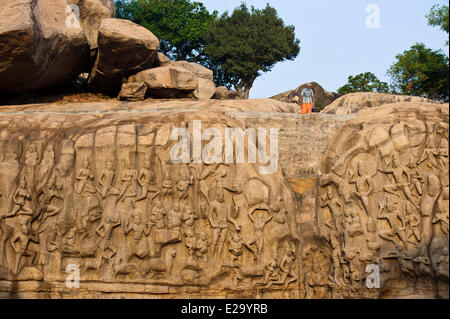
pixel 336 43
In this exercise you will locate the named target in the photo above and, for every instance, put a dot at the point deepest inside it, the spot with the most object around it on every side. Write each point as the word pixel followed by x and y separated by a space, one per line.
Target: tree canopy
pixel 421 71
pixel 438 17
pixel 364 82
pixel 248 43
pixel 178 24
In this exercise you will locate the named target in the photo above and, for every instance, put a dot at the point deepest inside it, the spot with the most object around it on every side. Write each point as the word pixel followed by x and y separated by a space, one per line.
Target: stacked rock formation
pixel 45 45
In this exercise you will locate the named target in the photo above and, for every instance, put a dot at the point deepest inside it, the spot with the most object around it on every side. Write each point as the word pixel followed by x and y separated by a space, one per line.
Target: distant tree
pixel 421 71
pixel 247 43
pixel 178 24
pixel 438 17
pixel 364 82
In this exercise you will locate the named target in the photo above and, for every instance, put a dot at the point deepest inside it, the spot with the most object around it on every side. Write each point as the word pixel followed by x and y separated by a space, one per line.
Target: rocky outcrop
pixel 133 91
pixel 92 13
pixel 223 93
pixel 354 102
pixel 167 81
pixel 124 48
pixel 322 97
pixel 38 49
pixel 206 87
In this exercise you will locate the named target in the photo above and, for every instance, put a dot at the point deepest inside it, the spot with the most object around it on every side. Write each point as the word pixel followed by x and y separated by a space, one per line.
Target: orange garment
pixel 306 108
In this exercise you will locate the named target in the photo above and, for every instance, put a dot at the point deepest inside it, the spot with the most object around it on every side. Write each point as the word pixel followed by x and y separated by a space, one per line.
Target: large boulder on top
pixel 92 13
pixel 38 49
pixel 354 102
pixel 124 48
pixel 206 86
pixel 322 97
pixel 167 81
pixel 223 93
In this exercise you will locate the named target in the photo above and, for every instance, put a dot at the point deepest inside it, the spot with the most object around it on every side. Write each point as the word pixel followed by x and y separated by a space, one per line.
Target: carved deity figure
pixel 138 229
pixel 364 185
pixel 84 179
pixel 146 180
pixel 31 160
pixel 185 179
pixel 20 241
pixel 158 216
pixel 105 230
pixel 218 218
pixel 129 178
pixel 413 220
pixel 402 180
pixel 259 224
pixel 442 212
pixel 21 199
pixel 106 181
pixel 396 220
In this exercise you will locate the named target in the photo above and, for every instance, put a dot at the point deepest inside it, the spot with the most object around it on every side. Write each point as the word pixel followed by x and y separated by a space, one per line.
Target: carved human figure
pixel 185 179
pixel 336 258
pixel 48 161
pixel 335 206
pixel 105 230
pixel 158 216
pixel 201 246
pixel 416 176
pixel 189 217
pixel 175 218
pixel 31 160
pixel 364 185
pixel 287 266
pixel 316 282
pixel 352 223
pixel 21 199
pixel 396 220
pixel 413 221
pixel 430 153
pixel 259 224
pixel 218 219
pixel 138 229
pixel 167 185
pixel 146 180
pixel 271 271
pixel 402 180
pixel 129 178
pixel 427 204
pixel 20 241
pixel 236 243
pixel 441 216
pixel 84 179
pixel 69 243
pixel 106 180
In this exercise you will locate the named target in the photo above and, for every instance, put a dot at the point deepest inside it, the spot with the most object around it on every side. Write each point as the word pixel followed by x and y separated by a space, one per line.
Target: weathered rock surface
pixel 206 87
pixel 92 13
pixel 223 93
pixel 322 97
pixel 124 48
pixel 161 60
pixel 382 203
pixel 167 81
pixel 99 171
pixel 38 50
pixel 354 102
pixel 133 91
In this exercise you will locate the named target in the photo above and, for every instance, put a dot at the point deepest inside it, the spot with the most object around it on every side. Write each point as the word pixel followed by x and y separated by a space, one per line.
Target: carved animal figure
pixel 158 265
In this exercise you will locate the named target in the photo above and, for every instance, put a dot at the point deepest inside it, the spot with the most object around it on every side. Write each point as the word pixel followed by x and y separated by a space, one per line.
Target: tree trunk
pixel 243 88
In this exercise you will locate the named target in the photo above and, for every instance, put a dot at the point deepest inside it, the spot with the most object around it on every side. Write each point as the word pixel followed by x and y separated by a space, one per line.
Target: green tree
pixel 421 71
pixel 178 24
pixel 247 43
pixel 438 17
pixel 364 82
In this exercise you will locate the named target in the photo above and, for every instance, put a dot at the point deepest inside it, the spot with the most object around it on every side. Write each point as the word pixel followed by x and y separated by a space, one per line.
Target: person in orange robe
pixel 307 100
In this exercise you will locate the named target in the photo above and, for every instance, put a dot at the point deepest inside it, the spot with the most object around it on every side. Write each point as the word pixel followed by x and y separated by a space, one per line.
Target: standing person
pixel 307 100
